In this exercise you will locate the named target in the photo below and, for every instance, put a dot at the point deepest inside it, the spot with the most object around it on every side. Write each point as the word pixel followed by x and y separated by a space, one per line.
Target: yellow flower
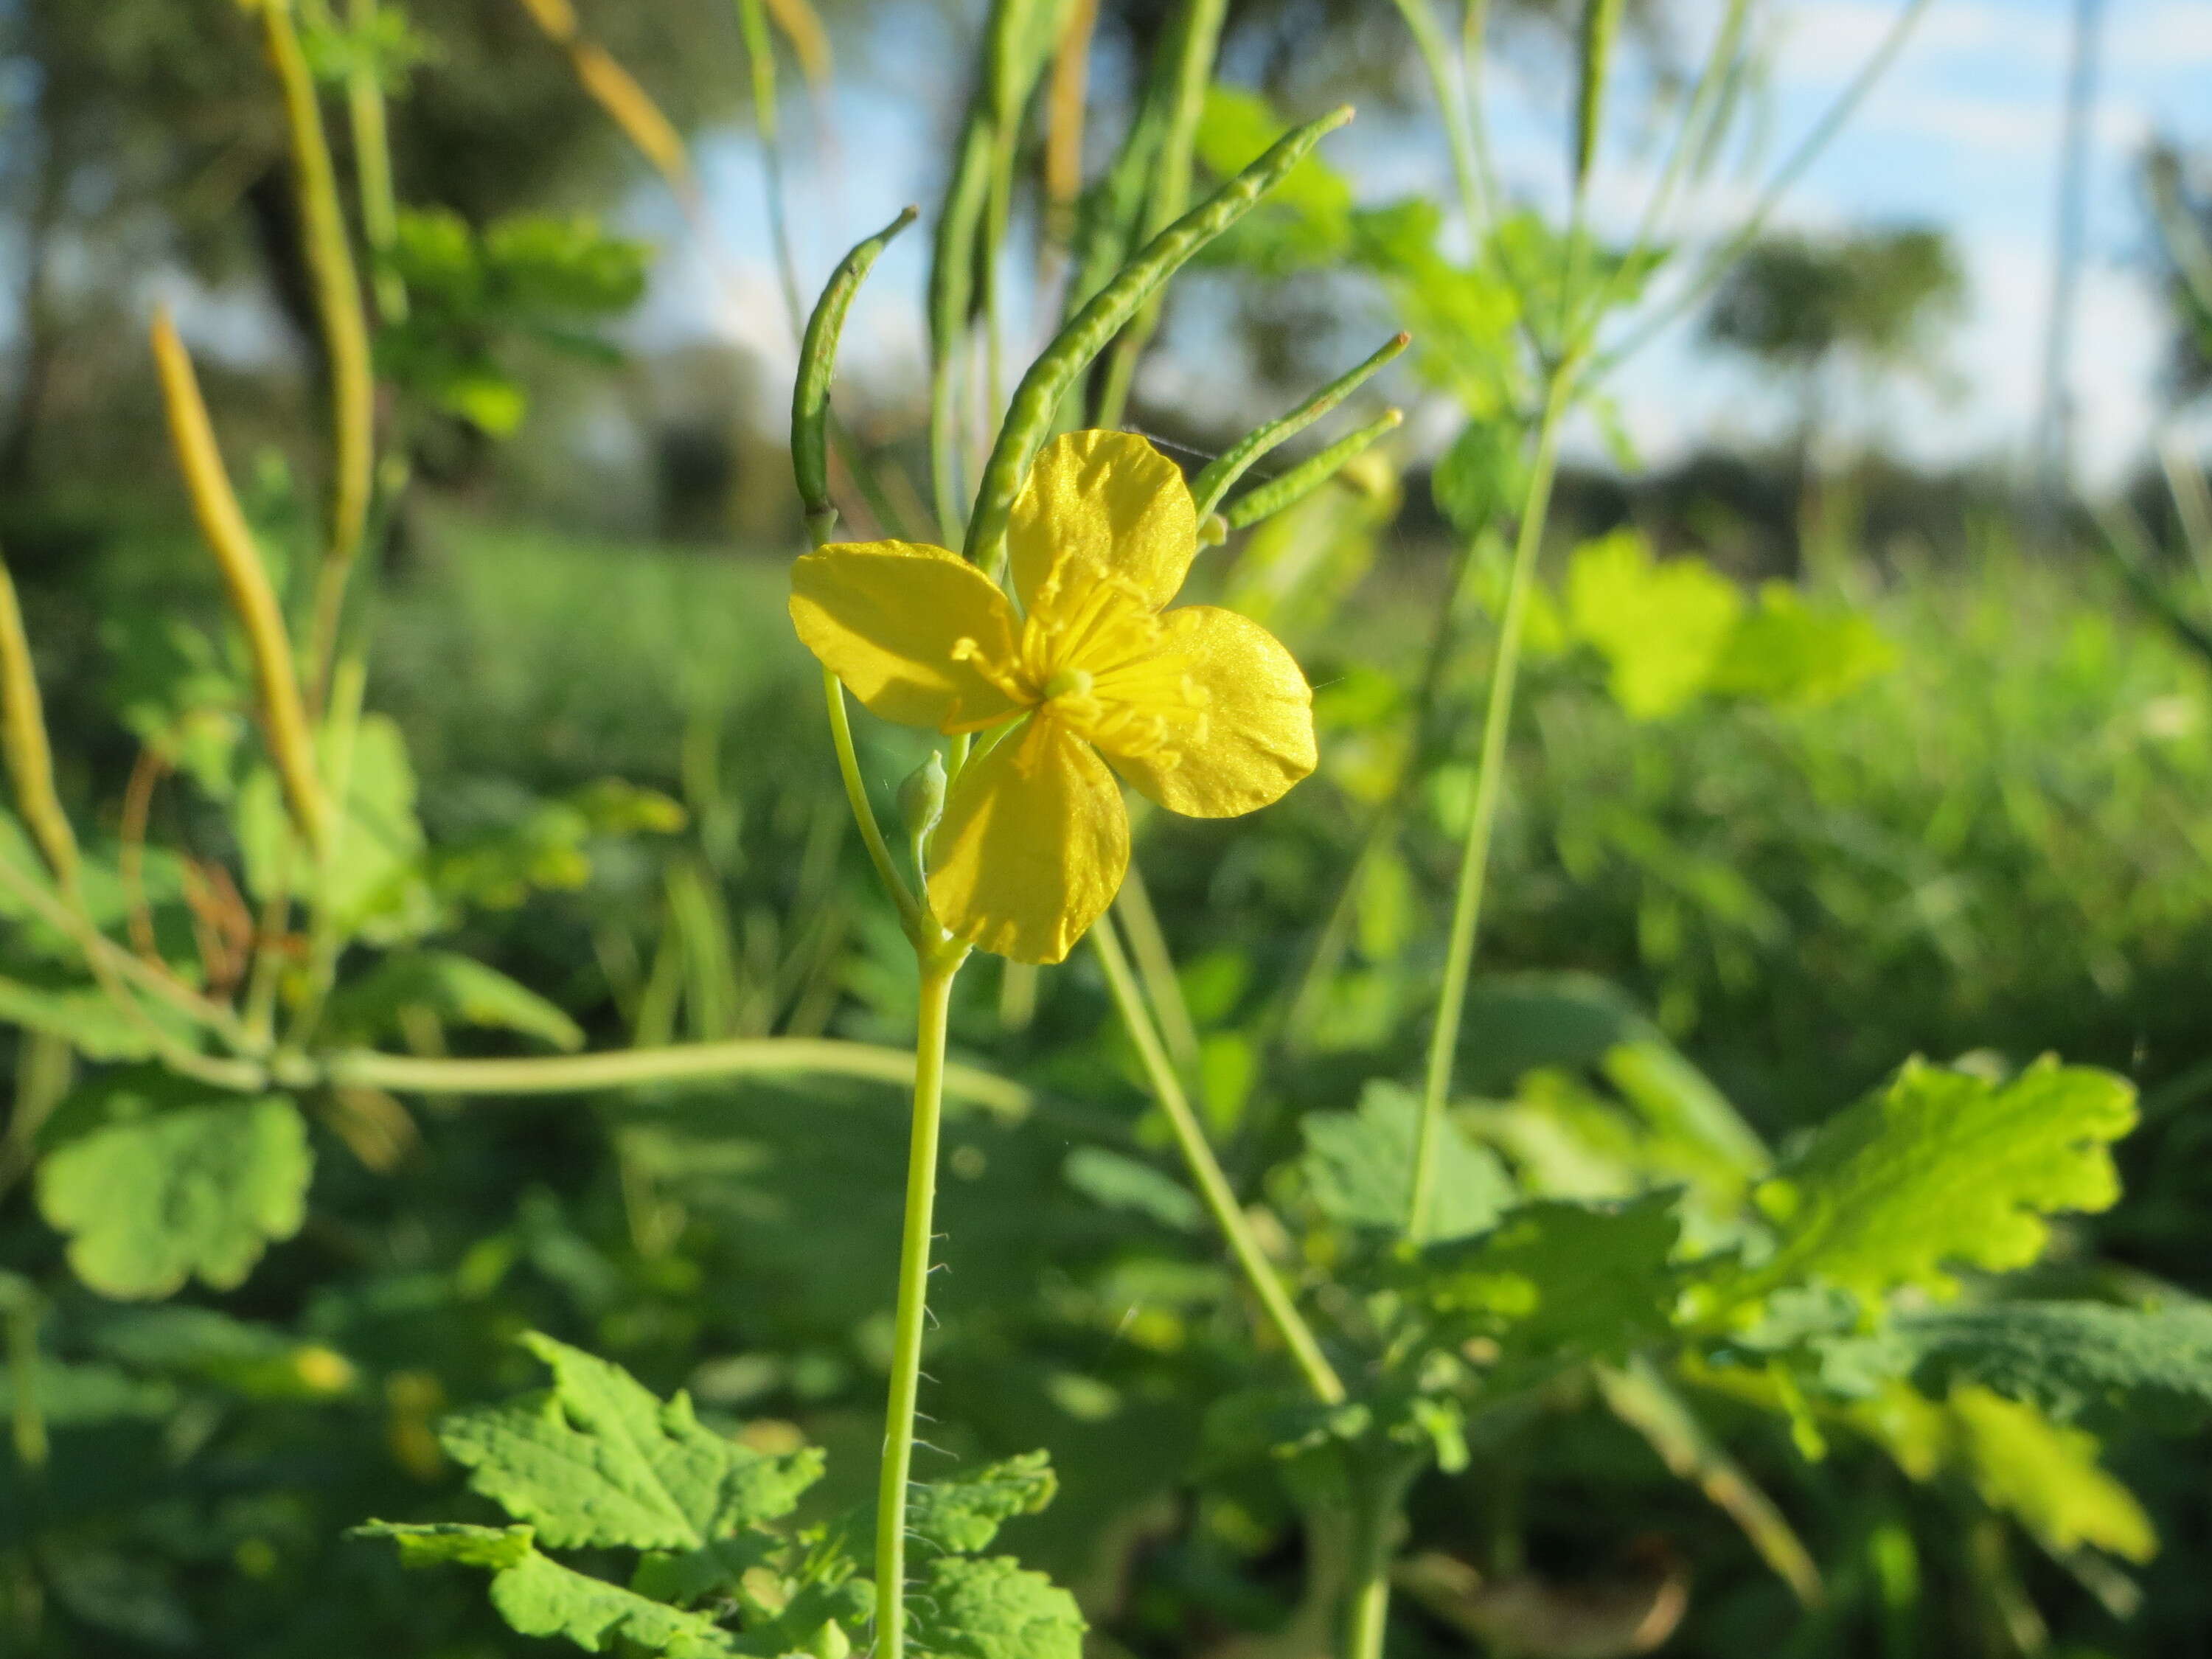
pixel 1201 709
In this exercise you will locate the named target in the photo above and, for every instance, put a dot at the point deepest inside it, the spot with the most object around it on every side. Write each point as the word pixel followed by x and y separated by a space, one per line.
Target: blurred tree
pixel 1812 310
pixel 145 134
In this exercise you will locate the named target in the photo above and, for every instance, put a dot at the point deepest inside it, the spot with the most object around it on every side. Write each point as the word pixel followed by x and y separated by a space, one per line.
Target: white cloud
pixel 1828 41
pixel 2167 36
pixel 2025 127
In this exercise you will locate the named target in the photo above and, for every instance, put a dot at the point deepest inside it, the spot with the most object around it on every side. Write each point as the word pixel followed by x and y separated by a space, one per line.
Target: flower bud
pixel 921 797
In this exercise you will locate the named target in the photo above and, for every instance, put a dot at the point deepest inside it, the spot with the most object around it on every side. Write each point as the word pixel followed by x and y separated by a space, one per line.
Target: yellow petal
pixel 1033 845
pixel 1099 503
pixel 1258 735
pixel 889 618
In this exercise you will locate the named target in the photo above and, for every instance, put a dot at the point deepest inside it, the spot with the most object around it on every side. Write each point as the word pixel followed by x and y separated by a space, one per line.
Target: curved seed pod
pixel 817 367
pixel 1301 481
pixel 23 742
pixel 1028 418
pixel 284 718
pixel 1601 28
pixel 1219 478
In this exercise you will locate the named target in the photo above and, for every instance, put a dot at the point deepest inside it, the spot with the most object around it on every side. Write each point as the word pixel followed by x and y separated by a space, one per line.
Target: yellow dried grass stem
pixel 29 755
pixel 616 91
pixel 810 41
pixel 1064 109
pixel 245 581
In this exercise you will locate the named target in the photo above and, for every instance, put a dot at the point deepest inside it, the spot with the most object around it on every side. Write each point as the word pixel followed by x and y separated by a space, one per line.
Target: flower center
pixel 1098 661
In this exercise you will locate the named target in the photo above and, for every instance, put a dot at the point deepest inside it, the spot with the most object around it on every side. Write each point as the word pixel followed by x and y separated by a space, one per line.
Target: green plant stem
pixel 1690 138
pixel 1808 148
pixel 1205 1169
pixel 326 939
pixel 29 1421
pixel 1378 1496
pixel 345 337
pixel 632 1068
pixel 1148 943
pixel 1474 861
pixel 1458 101
pixel 856 793
pixel 372 161
pixel 1197 41
pixel 939 966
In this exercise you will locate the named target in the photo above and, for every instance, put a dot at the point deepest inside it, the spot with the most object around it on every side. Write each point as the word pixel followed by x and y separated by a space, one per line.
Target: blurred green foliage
pixel 1980 841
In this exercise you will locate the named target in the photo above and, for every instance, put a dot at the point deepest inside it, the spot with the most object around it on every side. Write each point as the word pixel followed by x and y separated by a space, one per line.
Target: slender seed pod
pixel 817 367
pixel 1601 28
pixel 1029 418
pixel 245 581
pixel 1302 480
pixel 760 60
pixel 952 298
pixel 1219 478
pixel 1186 74
pixel 339 313
pixel 23 742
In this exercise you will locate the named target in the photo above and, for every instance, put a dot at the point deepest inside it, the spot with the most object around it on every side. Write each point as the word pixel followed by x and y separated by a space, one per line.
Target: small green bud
pixel 831 1642
pixel 921 797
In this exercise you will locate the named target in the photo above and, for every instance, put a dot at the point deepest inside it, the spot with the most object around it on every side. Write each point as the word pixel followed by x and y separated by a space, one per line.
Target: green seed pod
pixel 817 367
pixel 1218 479
pixel 1030 418
pixel 1601 28
pixel 1301 481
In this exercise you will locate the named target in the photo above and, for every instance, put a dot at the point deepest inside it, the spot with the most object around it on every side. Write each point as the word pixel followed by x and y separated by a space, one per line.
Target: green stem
pixel 1196 43
pixel 345 337
pixel 1378 1495
pixel 630 1068
pixel 856 793
pixel 1474 861
pixel 938 967
pixel 28 1420
pixel 1699 125
pixel 1205 1169
pixel 1459 102
pixel 1148 943
pixel 372 161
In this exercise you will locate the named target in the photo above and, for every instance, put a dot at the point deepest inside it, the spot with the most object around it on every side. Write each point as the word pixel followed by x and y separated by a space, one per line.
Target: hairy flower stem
pixel 1490 783
pixel 1205 1171
pixel 938 964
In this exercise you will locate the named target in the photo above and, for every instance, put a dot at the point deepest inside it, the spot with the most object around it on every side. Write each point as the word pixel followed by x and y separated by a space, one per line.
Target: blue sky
pixel 1963 133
